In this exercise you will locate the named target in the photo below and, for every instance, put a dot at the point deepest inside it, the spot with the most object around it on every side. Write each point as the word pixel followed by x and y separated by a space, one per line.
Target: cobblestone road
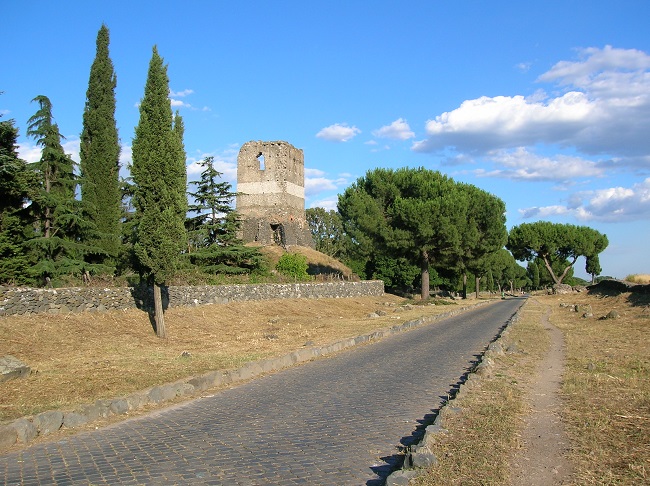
pixel 334 421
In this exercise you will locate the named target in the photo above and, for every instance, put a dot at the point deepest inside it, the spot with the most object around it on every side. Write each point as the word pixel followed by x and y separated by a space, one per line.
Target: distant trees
pixel 423 217
pixel 327 230
pixel 99 154
pixel 555 244
pixel 160 180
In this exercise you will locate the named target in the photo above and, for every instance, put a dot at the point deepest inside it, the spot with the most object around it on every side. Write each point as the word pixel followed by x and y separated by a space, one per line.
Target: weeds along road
pixel 334 421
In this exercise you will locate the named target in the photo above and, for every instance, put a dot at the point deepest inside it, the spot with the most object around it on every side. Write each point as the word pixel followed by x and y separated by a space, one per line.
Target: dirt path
pixel 542 457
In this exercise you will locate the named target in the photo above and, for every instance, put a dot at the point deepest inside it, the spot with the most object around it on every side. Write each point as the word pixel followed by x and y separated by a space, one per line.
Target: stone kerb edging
pixel 26 429
pixel 418 457
pixel 90 299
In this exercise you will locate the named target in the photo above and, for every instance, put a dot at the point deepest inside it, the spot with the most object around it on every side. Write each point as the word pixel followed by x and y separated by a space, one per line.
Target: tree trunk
pixel 477 281
pixel 464 285
pixel 424 267
pixel 158 315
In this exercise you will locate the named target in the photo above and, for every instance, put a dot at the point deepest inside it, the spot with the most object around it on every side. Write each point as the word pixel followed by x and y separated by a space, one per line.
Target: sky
pixel 546 105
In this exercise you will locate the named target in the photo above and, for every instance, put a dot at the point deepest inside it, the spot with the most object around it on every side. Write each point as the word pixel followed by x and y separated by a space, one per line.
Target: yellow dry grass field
pixel 639 278
pixel 79 358
pixel 606 396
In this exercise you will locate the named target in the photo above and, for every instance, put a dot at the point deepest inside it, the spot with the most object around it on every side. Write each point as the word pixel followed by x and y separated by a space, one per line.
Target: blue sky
pixel 544 104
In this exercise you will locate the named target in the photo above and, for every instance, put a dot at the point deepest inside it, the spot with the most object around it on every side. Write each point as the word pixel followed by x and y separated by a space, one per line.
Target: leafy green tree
pixel 552 242
pixel 399 274
pixel 160 179
pixel 484 233
pixel 533 274
pixel 58 219
pixel 16 185
pixel 327 229
pixel 212 233
pixel 592 267
pixel 416 214
pixel 100 153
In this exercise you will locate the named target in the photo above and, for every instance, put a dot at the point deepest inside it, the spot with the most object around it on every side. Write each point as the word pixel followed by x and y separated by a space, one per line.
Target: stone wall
pixel 86 299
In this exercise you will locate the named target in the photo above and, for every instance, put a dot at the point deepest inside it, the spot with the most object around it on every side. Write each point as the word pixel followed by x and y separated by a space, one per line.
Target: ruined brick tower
pixel 271 194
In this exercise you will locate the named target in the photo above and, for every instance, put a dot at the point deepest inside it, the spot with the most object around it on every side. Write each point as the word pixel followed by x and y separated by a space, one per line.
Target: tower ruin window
pixel 260 159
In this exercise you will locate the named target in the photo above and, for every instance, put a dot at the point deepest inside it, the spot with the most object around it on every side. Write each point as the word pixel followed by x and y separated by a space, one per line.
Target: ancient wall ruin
pixel 271 194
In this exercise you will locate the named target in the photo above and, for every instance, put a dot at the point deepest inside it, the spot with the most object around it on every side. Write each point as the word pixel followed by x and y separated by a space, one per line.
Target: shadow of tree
pixel 143 298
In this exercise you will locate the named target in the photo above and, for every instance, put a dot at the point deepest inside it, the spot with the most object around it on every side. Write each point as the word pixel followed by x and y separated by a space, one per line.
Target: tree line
pixel 413 228
pixel 58 220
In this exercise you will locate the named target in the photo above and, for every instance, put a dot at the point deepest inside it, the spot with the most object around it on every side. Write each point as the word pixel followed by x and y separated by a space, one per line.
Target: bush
pixel 293 265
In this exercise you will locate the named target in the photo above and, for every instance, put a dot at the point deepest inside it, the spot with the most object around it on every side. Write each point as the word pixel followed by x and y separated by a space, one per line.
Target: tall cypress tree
pixel 100 152
pixel 160 179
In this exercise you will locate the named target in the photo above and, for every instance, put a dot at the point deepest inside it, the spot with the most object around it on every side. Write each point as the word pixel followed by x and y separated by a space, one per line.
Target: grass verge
pixel 482 424
pixel 606 396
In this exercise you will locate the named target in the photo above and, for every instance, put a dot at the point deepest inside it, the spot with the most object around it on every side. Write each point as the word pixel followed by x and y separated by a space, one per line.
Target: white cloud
pixel 398 130
pixel 339 132
pixel 29 153
pixel 615 204
pixel 316 181
pixel 309 172
pixel 605 110
pixel 520 164
pixel 223 162
pixel 179 103
pixel 180 94
pixel 327 204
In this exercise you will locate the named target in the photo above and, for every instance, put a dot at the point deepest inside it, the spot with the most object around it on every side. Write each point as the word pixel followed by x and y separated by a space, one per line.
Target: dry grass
pixel 606 392
pixel 607 389
pixel 78 358
pixel 639 278
pixel 482 433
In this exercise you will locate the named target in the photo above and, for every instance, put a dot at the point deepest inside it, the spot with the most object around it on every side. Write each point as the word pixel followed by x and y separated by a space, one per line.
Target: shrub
pixel 293 265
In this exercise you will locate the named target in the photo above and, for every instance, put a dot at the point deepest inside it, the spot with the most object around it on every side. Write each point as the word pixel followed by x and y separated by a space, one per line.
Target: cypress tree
pixel 160 179
pixel 99 154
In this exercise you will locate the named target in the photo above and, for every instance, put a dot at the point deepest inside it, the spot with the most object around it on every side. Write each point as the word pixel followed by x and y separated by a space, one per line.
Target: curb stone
pixel 418 456
pixel 26 429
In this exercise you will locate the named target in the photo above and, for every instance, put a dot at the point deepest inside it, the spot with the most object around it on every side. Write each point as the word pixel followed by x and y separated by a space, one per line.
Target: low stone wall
pixel 87 299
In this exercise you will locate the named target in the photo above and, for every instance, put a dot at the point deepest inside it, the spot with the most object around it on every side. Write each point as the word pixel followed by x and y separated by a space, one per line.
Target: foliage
pixel 553 242
pixel 16 184
pixel 160 180
pixel 159 177
pixel 413 214
pixel 484 232
pixel 58 221
pixel 423 217
pixel 213 243
pixel 592 266
pixel 99 154
pixel 398 274
pixel 506 272
pixel 327 229
pixel 293 265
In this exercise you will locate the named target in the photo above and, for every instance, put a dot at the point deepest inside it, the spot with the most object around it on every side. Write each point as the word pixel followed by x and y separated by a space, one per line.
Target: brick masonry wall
pixel 87 299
